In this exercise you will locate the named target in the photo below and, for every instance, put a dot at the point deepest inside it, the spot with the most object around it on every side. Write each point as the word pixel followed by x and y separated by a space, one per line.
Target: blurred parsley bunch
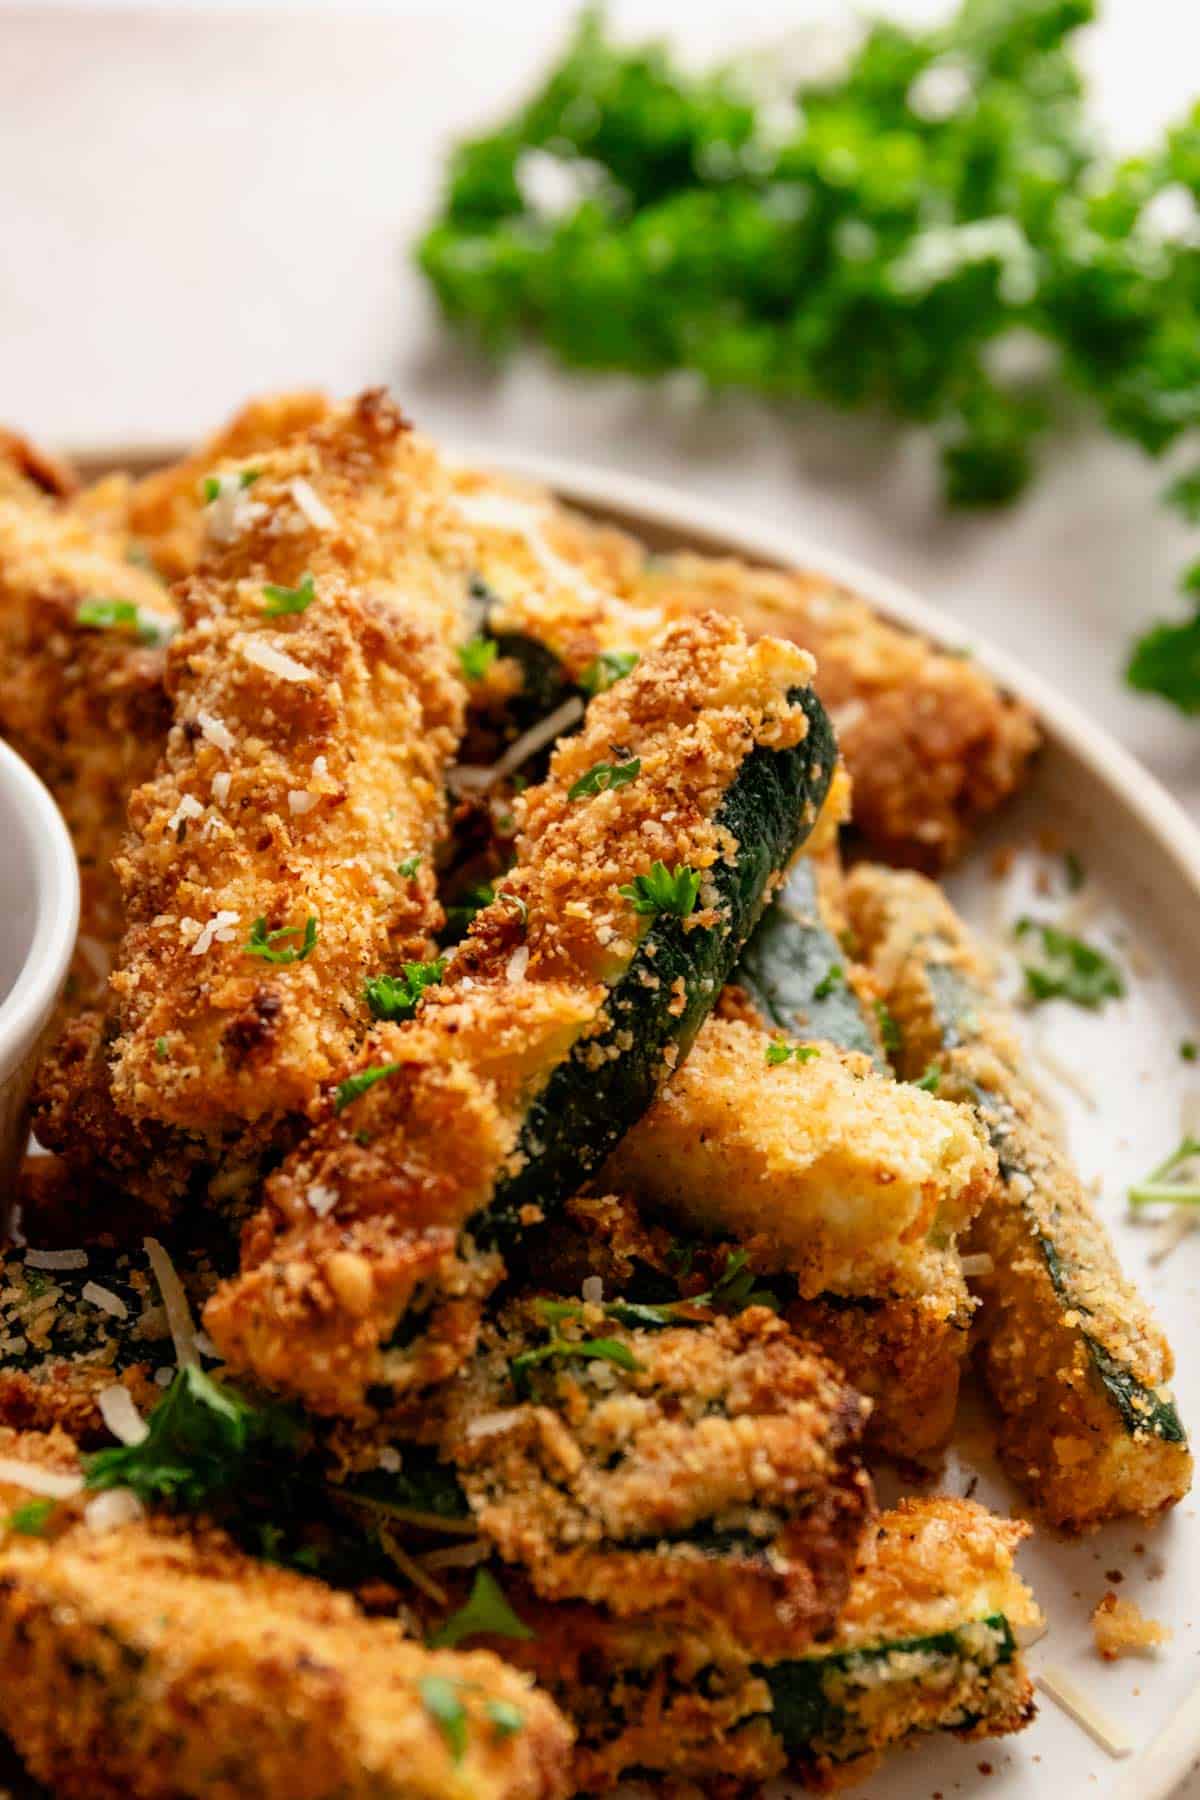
pixel 932 232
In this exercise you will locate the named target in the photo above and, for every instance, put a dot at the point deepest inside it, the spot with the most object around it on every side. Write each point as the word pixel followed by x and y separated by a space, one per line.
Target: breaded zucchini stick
pixel 702 1471
pixel 931 743
pixel 283 854
pixel 928 1640
pixel 82 636
pixel 573 997
pixel 1074 1359
pixel 148 1662
pixel 822 1169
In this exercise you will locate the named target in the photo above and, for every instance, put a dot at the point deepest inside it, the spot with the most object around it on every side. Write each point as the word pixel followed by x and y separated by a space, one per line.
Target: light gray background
pixel 197 203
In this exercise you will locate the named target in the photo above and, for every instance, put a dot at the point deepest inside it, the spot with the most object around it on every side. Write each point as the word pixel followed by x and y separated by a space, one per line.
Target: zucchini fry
pixel 148 1662
pixel 927 1641
pixel 932 745
pixel 574 995
pixel 317 702
pixel 1072 1355
pixel 81 701
pixel 702 1470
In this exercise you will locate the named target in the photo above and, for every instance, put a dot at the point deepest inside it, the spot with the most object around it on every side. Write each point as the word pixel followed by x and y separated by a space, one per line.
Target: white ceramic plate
pixel 1142 858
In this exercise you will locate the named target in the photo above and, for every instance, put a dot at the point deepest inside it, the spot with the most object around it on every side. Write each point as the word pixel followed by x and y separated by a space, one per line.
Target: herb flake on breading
pixel 440 1698
pixel 354 1085
pixel 283 600
pixel 102 614
pixel 605 670
pixel 1068 968
pixel 485 1613
pixel 664 890
pixel 477 656
pixel 779 1052
pixel 399 996
pixel 263 943
pixel 602 777
pixel 610 1350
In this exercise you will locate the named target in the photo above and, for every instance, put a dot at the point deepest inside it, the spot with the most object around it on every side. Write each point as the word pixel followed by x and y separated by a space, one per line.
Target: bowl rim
pixel 28 1004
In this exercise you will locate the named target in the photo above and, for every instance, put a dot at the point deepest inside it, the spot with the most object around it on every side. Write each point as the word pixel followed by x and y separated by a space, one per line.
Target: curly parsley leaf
pixel 31 1519
pixel 408 867
pixel 263 942
pixel 486 1612
pixel 779 1052
pixel 1068 968
pixel 441 1700
pixel 398 997
pixel 101 614
pixel 664 890
pixel 834 977
pixel 282 600
pixel 354 1085
pixel 589 1349
pixel 477 656
pixel 605 670
pixel 601 777
pixel 203 1439
pixel 931 1079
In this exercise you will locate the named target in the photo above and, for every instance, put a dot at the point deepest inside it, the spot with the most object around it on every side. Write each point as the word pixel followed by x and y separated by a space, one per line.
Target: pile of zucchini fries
pixel 508 1181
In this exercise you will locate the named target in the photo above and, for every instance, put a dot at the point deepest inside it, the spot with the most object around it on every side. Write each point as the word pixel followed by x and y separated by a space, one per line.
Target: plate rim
pixel 1156 1770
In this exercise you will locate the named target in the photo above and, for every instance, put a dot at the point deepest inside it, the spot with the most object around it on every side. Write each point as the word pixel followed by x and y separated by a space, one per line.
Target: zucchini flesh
pixel 789 969
pixel 609 1080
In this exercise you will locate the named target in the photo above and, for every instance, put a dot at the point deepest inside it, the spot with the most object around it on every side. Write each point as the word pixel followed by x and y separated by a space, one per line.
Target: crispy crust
pixel 1061 1433
pixel 932 745
pixel 486 1040
pixel 84 706
pixel 732 1433
pixel 145 1661
pixel 845 1179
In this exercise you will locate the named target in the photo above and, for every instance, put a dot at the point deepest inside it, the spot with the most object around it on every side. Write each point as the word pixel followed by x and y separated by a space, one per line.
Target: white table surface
pixel 198 203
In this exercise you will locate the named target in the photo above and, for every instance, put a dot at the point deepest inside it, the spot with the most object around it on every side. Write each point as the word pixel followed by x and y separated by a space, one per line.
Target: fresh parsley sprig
pixel 602 777
pixel 103 614
pixel 485 1613
pixel 270 947
pixel 778 1052
pixel 1068 968
pixel 399 996
pixel 605 670
pixel 354 1085
pixel 664 890
pixel 279 601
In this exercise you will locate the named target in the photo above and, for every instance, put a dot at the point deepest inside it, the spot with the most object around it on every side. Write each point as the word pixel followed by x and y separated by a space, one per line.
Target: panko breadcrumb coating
pixel 1074 1358
pixel 707 1476
pixel 847 1180
pixel 1120 1628
pixel 932 745
pixel 151 1661
pixel 82 703
pixel 320 1296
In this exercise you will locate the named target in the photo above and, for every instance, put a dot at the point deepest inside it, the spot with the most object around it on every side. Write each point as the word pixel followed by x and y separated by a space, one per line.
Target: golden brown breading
pixel 147 1661
pixel 164 511
pixel 931 743
pixel 84 704
pixel 319 1299
pixel 1072 1354
pixel 847 1180
pixel 704 1471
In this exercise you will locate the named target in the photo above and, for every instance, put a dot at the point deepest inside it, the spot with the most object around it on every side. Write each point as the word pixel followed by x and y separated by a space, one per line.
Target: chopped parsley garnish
pixel 262 942
pixel 477 656
pixel 605 670
pixel 834 977
pixel 281 600
pixel 203 1439
pixel 1188 1050
pixel 161 1052
pixel 505 1718
pixel 472 900
pixel 408 867
pixel 485 1613
pixel 354 1085
pixel 779 1052
pixel 664 890
pixel 31 1519
pixel 590 1349
pixel 603 776
pixel 440 1698
pixel 930 1079
pixel 398 997
pixel 211 486
pixel 889 1030
pixel 1177 1180
pixel 734 1288
pixel 1068 968
pixel 122 615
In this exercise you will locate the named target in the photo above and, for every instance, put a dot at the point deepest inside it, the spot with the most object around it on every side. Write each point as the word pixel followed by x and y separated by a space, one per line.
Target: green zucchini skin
pixel 812 1720
pixel 592 1099
pixel 786 964
pixel 957 1007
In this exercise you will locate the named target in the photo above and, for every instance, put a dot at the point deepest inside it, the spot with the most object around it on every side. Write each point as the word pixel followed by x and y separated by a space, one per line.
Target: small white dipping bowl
pixel 39 917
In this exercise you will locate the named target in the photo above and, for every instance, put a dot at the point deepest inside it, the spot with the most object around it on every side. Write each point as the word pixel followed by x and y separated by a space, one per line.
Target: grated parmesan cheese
pixel 54 1484
pixel 301 801
pixel 121 1415
pixel 1109 1733
pixel 215 730
pixel 389 1460
pixel 518 962
pixel 56 1259
pixel 275 662
pixel 321 1199
pixel 179 1313
pixel 593 1289
pixel 312 505
pixel 105 1299
pixel 979 1264
pixel 189 808
pixel 220 786
pixel 116 1507
pixel 218 930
